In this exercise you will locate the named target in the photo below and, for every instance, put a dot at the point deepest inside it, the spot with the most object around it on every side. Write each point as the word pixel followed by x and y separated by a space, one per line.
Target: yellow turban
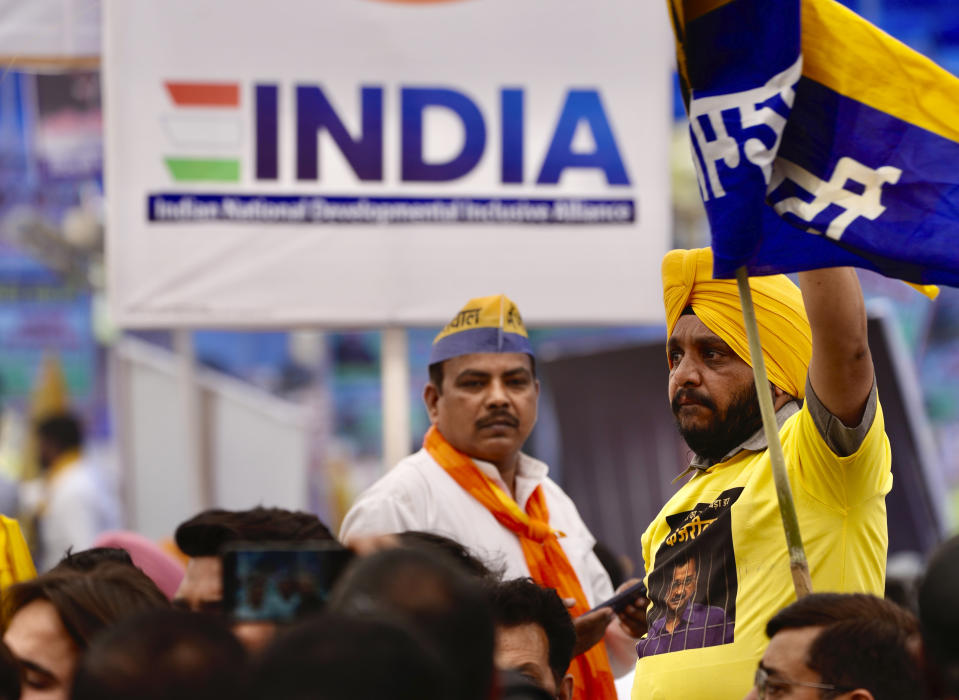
pixel 783 326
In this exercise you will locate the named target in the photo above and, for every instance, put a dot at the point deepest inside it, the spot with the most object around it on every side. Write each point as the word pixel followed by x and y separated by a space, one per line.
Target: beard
pixel 726 430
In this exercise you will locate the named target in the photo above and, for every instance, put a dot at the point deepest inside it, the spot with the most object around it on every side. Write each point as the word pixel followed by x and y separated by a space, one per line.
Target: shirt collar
pixel 684 618
pixel 62 463
pixel 529 474
pixel 754 443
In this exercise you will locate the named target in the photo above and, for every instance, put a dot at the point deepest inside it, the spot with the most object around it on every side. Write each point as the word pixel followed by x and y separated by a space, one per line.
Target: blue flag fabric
pixel 819 140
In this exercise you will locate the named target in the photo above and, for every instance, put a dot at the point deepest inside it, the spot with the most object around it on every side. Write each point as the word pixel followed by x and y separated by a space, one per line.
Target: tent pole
pixel 193 419
pixel 798 565
pixel 395 377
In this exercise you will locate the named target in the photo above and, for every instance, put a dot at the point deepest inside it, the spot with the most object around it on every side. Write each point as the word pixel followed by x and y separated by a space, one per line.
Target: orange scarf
pixel 545 558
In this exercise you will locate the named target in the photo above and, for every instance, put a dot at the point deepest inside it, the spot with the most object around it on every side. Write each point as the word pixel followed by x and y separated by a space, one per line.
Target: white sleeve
pixel 70 521
pixel 378 514
pixel 621 649
pixel 599 581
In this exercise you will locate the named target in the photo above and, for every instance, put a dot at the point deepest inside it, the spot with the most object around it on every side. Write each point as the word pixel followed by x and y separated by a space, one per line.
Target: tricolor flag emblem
pixel 205 130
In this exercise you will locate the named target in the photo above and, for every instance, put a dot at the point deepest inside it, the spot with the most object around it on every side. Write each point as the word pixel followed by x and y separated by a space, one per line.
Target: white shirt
pixel 418 494
pixel 77 510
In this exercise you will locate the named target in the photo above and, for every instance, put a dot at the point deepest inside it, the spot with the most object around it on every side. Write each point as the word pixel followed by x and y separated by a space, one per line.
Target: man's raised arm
pixel 841 370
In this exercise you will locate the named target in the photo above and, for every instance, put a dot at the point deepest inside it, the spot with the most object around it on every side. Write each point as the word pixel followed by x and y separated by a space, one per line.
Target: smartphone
pixel 619 601
pixel 279 582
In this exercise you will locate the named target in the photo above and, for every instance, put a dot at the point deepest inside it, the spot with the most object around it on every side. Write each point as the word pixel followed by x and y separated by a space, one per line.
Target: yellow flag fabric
pixel 806 119
pixel 17 565
pixel 783 326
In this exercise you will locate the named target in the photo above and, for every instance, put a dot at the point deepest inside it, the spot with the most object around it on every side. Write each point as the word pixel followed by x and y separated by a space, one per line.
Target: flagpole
pixel 798 565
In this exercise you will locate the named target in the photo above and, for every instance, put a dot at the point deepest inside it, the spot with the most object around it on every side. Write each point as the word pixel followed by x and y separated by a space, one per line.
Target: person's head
pixel 534 634
pixel 50 621
pixel 10 686
pixel 849 646
pixel 58 434
pixel 682 585
pixel 90 559
pixel 467 562
pixel 163 655
pixel 939 618
pixel 202 537
pixel 350 657
pixel 711 386
pixel 448 608
pixel 482 395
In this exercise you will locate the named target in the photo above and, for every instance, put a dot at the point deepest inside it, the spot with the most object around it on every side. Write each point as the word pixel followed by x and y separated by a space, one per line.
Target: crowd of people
pixel 467 573
pixel 415 616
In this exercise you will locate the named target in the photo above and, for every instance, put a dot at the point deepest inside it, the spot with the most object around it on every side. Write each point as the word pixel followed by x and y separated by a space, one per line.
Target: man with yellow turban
pixel 471 482
pixel 726 515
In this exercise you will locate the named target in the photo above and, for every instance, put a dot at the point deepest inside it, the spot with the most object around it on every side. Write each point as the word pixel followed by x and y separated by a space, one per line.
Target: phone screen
pixel 279 582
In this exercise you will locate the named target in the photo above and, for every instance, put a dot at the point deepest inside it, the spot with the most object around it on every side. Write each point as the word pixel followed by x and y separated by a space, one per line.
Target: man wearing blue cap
pixel 471 482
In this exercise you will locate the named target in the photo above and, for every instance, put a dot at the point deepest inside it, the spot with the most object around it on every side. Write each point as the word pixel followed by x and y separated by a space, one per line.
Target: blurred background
pixel 294 417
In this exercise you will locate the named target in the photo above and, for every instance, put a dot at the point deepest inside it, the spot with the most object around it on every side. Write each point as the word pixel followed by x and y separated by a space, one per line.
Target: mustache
pixel 498 417
pixel 691 395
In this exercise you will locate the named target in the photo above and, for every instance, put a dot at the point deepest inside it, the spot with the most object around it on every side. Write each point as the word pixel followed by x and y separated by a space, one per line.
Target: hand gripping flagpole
pixel 798 565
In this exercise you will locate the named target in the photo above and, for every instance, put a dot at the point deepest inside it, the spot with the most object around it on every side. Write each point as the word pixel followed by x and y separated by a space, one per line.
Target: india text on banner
pixel 812 121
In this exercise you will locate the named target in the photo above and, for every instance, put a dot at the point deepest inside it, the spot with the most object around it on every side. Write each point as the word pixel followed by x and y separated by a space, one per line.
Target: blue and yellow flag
pixel 819 140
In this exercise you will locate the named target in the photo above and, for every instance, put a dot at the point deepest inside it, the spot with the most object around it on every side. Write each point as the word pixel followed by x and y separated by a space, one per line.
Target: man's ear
pixel 780 397
pixel 858 694
pixel 565 690
pixel 431 397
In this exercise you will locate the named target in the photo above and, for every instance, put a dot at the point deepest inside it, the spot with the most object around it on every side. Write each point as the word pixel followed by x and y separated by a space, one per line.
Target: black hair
pixel 460 555
pixel 822 609
pixel 870 654
pixel 865 642
pixel 10 685
pixel 90 559
pixel 205 534
pixel 164 655
pixel 62 431
pixel 522 601
pixel 939 616
pixel 350 657
pixel 448 608
pixel 515 686
pixel 87 602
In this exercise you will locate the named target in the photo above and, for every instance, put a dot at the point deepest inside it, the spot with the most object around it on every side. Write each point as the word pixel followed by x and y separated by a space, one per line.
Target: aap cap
pixel 485 324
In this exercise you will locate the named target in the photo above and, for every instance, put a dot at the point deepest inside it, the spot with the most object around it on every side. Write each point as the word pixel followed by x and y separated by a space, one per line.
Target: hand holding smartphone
pixel 626 597
pixel 279 582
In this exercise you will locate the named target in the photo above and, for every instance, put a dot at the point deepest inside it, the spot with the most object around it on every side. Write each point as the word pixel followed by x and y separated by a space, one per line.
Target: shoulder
pixel 411 475
pixel 565 516
pixel 714 614
pixel 78 479
pixel 559 502
pixel 410 486
pixel 815 422
pixel 534 468
pixel 395 502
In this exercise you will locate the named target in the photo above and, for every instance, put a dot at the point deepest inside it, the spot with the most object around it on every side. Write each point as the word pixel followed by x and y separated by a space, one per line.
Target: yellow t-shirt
pixel 717 553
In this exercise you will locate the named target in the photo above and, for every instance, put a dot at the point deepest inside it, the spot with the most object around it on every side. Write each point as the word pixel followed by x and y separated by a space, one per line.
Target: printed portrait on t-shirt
pixel 693 583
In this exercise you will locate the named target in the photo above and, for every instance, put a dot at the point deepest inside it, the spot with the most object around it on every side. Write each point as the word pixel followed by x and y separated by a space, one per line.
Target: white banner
pixel 372 162
pixel 48 31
